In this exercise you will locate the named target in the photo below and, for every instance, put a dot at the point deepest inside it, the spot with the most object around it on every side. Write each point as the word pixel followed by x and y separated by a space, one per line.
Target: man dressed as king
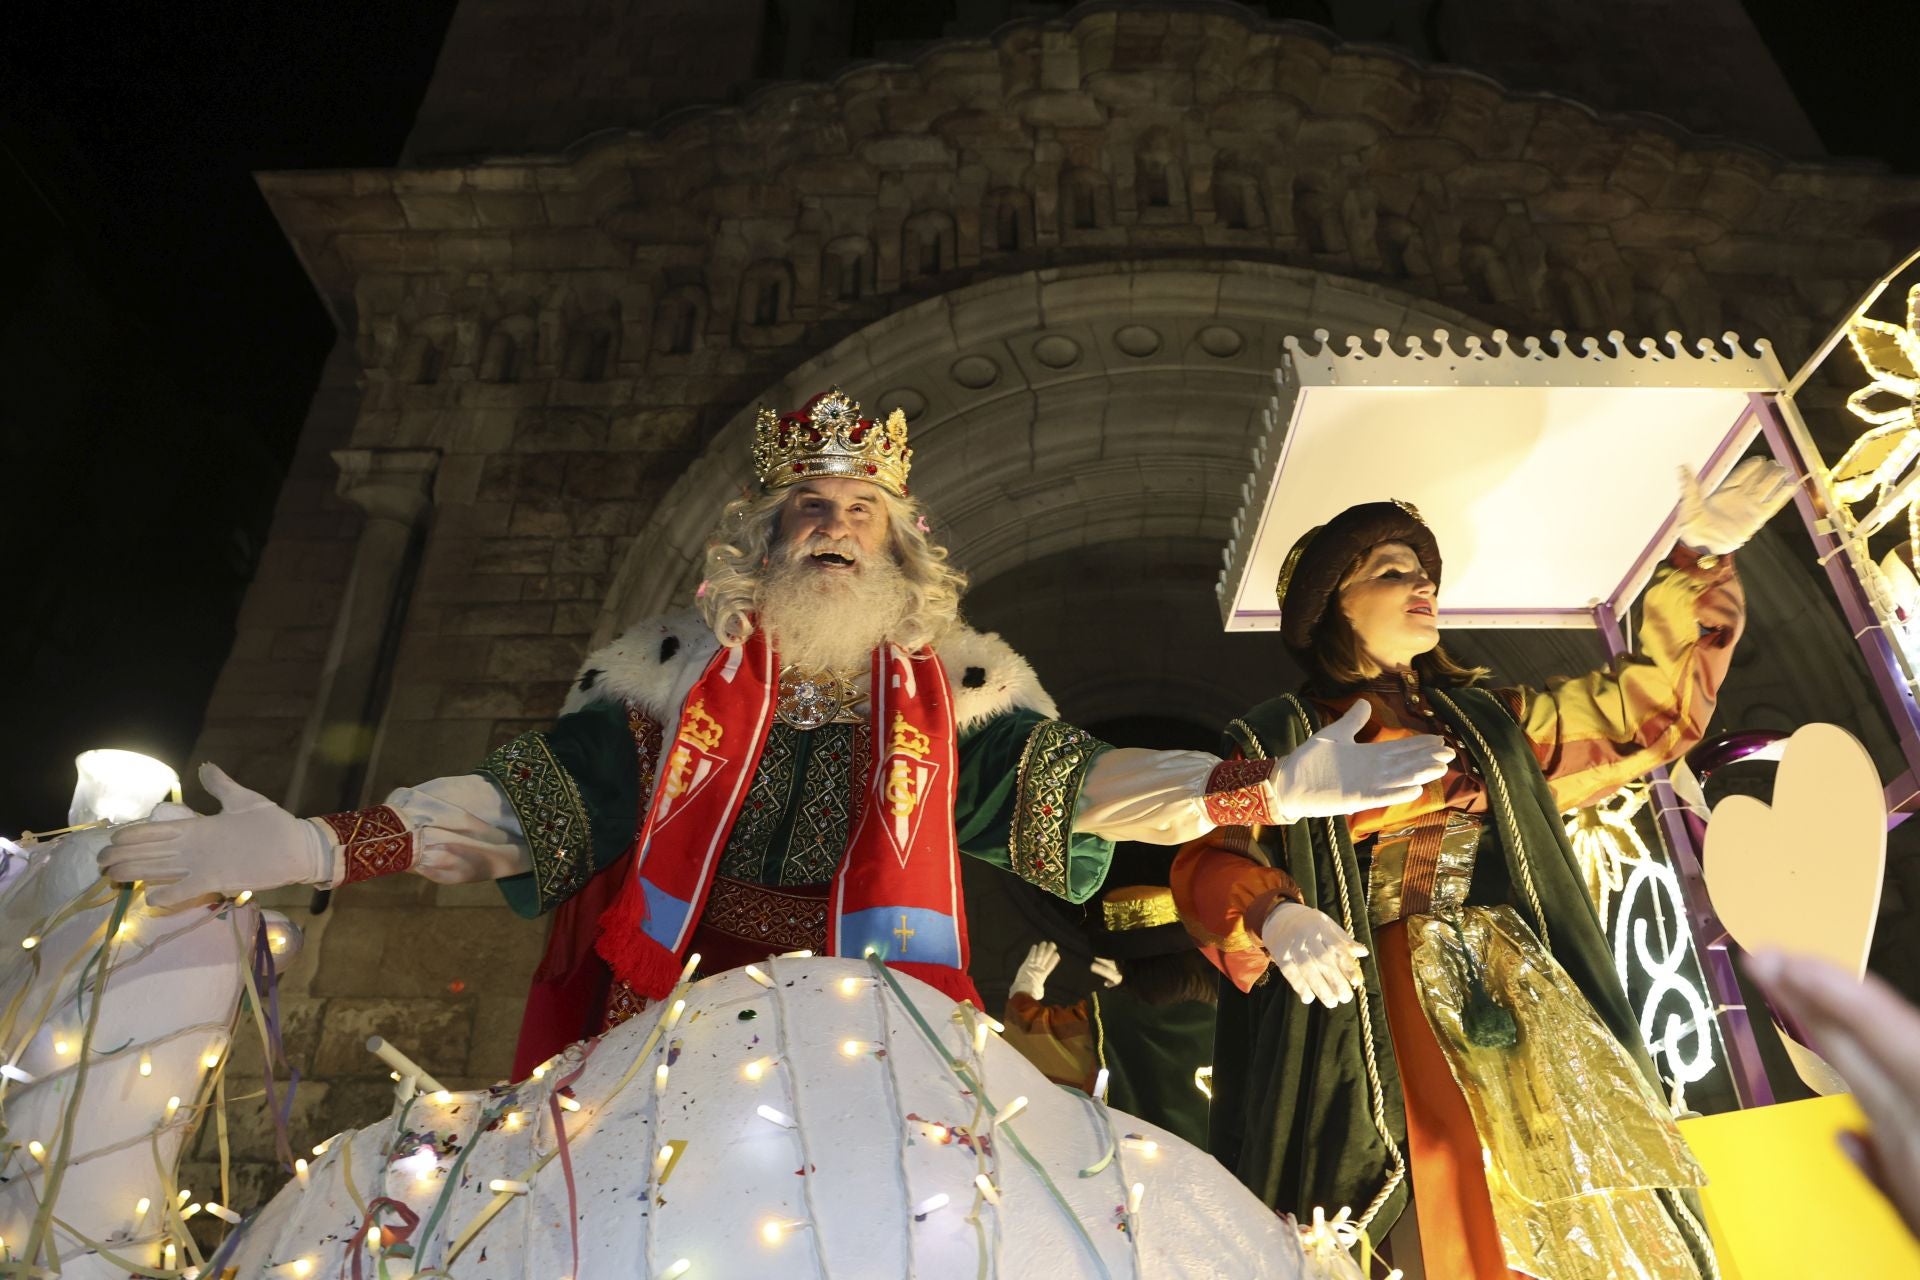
pixel 796 762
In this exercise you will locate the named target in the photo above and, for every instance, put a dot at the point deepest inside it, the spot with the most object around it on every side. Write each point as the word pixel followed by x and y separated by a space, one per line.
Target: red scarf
pixel 896 893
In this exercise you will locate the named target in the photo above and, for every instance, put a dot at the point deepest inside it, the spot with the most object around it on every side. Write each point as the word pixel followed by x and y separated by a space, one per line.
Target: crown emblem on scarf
pixel 830 438
pixel 699 728
pixel 908 740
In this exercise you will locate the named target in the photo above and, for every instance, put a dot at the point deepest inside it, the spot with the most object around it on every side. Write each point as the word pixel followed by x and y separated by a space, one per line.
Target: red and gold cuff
pixel 376 842
pixel 1237 793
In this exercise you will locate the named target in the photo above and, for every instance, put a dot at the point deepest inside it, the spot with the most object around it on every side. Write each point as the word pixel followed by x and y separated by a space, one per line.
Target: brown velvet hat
pixel 1310 577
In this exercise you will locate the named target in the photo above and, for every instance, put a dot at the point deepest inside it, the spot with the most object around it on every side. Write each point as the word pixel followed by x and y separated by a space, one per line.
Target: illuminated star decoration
pixel 1606 844
pixel 1878 464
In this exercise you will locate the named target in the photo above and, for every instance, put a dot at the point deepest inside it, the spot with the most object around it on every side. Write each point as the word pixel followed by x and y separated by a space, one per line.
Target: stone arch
pixel 1006 223
pixel 846 269
pixel 927 245
pixel 1086 201
pixel 681 318
pixel 1080 437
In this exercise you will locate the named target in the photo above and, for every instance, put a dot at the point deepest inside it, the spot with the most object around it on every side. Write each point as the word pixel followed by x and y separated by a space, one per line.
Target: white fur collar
pixel 654 665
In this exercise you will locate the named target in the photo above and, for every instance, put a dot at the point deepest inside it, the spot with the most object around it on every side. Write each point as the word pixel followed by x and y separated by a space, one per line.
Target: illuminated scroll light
pixel 1635 939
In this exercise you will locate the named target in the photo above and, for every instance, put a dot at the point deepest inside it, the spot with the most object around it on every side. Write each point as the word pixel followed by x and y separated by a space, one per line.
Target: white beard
pixel 826 621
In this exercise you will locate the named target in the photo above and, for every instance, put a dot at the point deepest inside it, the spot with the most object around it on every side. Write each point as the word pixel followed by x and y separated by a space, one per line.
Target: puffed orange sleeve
pixel 1223 895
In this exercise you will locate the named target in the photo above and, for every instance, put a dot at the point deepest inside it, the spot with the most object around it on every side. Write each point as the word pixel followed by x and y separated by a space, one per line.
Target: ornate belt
pixel 786 919
pixel 1423 869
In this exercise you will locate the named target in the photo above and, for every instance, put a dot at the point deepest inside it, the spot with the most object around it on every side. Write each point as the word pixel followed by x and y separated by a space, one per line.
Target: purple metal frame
pixel 1710 939
pixel 1903 793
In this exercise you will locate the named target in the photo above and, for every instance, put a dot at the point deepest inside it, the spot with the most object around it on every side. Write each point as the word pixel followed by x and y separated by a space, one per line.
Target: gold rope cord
pixel 1493 772
pixel 1378 1094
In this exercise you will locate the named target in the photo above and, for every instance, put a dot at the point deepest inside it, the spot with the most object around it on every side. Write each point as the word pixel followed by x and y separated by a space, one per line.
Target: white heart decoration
pixel 1803 874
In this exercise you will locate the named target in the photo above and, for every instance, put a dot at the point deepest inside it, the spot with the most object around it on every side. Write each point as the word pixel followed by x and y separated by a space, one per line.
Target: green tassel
pixel 1486 1023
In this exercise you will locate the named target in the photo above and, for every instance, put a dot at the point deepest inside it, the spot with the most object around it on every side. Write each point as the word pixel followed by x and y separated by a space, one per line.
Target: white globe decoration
pixel 132 1017
pixel 808 1117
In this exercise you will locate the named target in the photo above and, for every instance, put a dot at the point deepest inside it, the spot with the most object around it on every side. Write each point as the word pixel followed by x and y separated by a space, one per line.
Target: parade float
pixel 828 1116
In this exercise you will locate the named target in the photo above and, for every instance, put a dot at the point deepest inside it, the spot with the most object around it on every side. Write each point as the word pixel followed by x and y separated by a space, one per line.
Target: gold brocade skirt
pixel 1575 1143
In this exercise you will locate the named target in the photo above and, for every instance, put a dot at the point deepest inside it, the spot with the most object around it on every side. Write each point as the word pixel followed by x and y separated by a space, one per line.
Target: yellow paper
pixel 1784 1202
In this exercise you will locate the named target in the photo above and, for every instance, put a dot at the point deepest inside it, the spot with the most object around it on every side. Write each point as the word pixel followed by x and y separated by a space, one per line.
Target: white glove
pixel 1318 958
pixel 1106 970
pixel 1331 775
pixel 252 843
pixel 1725 519
pixel 1031 977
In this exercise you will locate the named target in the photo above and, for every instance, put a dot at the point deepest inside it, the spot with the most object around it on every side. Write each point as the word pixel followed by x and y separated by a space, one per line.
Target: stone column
pixel 395 488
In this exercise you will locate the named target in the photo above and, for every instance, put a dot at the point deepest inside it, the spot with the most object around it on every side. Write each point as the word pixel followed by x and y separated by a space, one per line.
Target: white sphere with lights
pixel 805 1117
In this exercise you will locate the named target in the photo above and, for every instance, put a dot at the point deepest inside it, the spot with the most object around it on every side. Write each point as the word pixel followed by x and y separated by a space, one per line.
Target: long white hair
pixel 737 557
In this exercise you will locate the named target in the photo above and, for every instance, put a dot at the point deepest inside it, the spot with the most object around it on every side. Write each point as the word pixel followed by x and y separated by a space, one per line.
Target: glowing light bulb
pixel 300 1171
pixel 660 1078
pixel 169 1256
pixel 124 931
pixel 189 1211
pixel 1145 1146
pixel 937 1133
pixel 566 1103
pixel 849 985
pixel 772 1116
pixel 772 1232
pixel 146 1065
pixel 240 900
pixel 140 1208
pixel 185 1195
pixel 301 1267
pixel 539 1071
pixel 673 1013
pixel 755 1069
pixel 753 972
pixel 931 1204
pixel 226 1215
pixel 320 1148
pixel 1100 1086
pixel 686 970
pixel 513 1119
pixel 987 1189
pixel 442 1097
pixel 1134 1195
pixel 1011 1110
pixel 29 942
pixel 507 1186
pixel 37 1150
pixel 665 1154
pixel 61 1047
pixel 173 1105
pixel 679 1268
pixel 373 1237
pixel 853 1048
pixel 14 1073
pixel 211 1060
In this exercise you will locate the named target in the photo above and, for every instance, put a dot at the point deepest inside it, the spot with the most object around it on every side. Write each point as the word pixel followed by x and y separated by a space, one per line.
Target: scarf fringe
pixel 636 959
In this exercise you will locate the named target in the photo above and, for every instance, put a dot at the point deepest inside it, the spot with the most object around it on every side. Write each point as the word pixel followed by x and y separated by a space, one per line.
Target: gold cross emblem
pixel 903 933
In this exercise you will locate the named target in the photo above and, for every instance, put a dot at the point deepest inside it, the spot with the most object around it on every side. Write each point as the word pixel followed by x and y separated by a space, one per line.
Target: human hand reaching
pixel 252 843
pixel 1031 977
pixel 1318 958
pixel 1108 971
pixel 1726 519
pixel 1331 774
pixel 1871 1036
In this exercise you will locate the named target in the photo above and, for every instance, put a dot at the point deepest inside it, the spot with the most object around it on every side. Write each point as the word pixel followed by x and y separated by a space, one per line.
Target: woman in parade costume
pixel 1150 1030
pixel 1490 1056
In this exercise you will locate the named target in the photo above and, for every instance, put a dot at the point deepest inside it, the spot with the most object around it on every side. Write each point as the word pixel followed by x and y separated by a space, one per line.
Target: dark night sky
pixel 128 139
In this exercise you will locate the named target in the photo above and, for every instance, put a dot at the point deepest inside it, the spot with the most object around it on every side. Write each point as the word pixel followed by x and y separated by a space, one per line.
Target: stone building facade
pixel 1070 249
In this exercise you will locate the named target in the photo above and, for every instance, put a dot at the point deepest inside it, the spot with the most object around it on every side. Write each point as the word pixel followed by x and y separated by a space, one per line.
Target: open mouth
pixel 1421 610
pixel 831 560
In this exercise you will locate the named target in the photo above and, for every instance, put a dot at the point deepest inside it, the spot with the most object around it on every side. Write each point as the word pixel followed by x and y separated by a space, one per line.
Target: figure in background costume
pixel 1491 1054
pixel 1150 1029
pixel 797 763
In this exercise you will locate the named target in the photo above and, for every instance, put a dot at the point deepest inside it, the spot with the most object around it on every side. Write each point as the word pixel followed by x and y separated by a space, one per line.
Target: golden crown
pixel 830 438
pixel 908 740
